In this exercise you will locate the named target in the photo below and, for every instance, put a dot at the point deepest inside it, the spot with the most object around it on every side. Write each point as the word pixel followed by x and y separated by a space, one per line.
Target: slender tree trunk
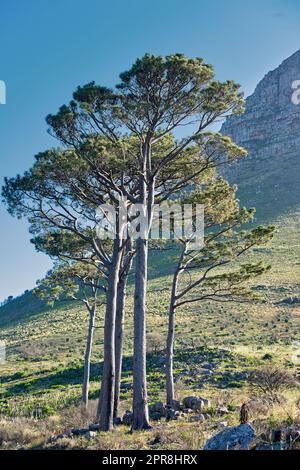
pixel 106 400
pixel 140 399
pixel 119 331
pixel 87 359
pixel 119 341
pixel 169 357
pixel 171 331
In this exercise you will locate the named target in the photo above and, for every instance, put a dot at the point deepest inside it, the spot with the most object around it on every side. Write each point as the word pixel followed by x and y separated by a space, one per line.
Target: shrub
pixel 155 342
pixel 267 357
pixel 271 381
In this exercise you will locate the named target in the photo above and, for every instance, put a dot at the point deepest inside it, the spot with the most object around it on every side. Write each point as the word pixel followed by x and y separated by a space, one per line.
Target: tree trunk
pixel 106 400
pixel 119 331
pixel 87 359
pixel 171 331
pixel 140 398
pixel 119 341
pixel 169 358
pixel 140 404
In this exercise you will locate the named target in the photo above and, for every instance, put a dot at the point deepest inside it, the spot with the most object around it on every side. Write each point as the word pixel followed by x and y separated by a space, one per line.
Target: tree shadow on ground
pixel 186 363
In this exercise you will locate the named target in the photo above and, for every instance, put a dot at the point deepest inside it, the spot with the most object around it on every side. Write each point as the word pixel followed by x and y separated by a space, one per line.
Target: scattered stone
pixel 198 418
pixel 222 410
pixel 260 287
pixel 176 405
pixel 232 437
pixel 117 421
pixel 127 418
pixel 209 366
pixel 173 415
pixel 155 415
pixel 159 407
pixel 263 446
pixel 268 446
pixel 267 357
pixel 86 432
pixel 158 411
pixel 156 440
pixel 222 424
pixel 195 403
pixel 206 402
pixel 126 386
pixel 277 446
pixel 55 438
pixel 200 371
pixel 188 411
pixel 78 431
pixel 94 427
pixel 290 301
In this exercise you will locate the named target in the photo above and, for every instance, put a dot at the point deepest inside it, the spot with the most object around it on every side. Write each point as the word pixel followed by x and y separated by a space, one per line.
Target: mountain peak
pixel 270 131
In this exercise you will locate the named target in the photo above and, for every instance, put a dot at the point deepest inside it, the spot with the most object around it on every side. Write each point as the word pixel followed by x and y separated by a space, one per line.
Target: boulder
pixel 195 403
pixel 188 411
pixel 197 418
pixel 126 386
pixel 176 405
pixel 263 446
pixel 291 301
pixel 89 433
pixel 94 427
pixel 206 402
pixel 160 408
pixel 78 431
pixel 127 418
pixel 173 415
pixel 155 415
pixel 208 366
pixel 157 440
pixel 54 438
pixel 222 410
pixel 277 446
pixel 239 437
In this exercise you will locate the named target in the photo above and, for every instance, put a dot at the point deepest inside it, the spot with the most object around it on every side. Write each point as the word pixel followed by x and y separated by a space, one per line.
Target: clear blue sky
pixel 48 47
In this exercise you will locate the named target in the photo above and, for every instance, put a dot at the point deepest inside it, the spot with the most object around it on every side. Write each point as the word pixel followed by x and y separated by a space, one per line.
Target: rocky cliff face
pixel 270 131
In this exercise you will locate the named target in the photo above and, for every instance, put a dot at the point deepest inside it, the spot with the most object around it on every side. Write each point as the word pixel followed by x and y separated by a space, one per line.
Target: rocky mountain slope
pixel 270 130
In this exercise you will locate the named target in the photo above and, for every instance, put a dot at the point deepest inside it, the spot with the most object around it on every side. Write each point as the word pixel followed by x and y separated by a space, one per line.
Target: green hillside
pixel 45 348
pixel 273 188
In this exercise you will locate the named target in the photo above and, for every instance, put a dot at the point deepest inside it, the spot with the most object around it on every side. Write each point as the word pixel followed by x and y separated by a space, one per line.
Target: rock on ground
pixel 194 403
pixel 239 437
pixel 127 418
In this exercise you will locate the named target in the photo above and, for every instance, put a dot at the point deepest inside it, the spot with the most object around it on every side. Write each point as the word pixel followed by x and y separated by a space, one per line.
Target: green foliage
pixel 69 281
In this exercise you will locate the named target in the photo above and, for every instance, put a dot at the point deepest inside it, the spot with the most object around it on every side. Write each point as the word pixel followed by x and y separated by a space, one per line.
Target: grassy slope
pixel 273 187
pixel 45 347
